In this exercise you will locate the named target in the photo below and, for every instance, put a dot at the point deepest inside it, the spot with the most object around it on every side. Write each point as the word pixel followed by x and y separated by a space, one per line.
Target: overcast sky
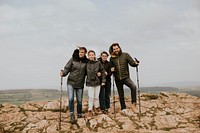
pixel 37 38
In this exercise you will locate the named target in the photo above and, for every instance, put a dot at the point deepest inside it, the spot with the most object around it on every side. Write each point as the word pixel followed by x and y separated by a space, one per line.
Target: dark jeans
pixel 128 82
pixel 79 96
pixel 104 96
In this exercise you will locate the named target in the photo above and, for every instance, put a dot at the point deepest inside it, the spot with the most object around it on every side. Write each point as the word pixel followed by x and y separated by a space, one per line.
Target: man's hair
pixel 83 48
pixel 111 47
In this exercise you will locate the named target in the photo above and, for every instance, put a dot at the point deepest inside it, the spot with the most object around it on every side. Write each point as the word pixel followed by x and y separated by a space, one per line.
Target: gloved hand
pixel 137 60
pixel 102 84
pixel 61 73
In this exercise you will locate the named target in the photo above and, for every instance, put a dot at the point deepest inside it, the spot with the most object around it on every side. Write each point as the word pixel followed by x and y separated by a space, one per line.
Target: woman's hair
pixel 92 51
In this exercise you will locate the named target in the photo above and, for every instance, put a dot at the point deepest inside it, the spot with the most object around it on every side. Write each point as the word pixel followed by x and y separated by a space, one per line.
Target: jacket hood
pixel 76 57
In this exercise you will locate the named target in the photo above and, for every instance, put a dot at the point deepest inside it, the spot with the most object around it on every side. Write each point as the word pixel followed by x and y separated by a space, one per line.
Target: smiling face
pixel 104 57
pixel 91 55
pixel 81 53
pixel 116 50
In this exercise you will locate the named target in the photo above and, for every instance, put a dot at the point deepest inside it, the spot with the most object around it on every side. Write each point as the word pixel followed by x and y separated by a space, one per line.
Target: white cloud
pixel 38 37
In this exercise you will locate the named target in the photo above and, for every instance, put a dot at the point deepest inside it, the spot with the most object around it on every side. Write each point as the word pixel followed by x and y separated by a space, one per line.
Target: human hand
pixel 61 73
pixel 112 69
pixel 137 60
pixel 99 74
pixel 102 84
pixel 106 73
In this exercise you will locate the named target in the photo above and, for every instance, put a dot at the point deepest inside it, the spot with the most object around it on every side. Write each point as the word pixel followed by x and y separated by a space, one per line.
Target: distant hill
pixel 24 95
pixel 157 88
pixel 28 95
pixel 181 84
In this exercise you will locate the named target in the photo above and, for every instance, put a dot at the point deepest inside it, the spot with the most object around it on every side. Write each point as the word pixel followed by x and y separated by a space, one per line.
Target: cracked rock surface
pixel 164 112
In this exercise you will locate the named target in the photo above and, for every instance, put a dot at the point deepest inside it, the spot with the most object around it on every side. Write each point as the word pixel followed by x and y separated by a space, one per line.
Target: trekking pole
pixel 113 94
pixel 138 90
pixel 60 101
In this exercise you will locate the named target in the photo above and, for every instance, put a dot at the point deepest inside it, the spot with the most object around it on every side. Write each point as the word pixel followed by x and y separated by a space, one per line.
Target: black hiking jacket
pixel 121 63
pixel 107 67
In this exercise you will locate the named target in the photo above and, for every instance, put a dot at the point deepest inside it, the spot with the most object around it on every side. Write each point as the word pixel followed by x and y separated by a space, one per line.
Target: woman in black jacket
pixel 105 91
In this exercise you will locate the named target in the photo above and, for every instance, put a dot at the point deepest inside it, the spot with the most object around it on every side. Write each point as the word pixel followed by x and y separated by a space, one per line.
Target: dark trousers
pixel 128 82
pixel 104 96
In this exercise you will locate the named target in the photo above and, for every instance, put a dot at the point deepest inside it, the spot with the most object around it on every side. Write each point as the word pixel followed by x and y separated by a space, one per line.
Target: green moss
pixel 150 96
pixel 168 113
pixel 168 128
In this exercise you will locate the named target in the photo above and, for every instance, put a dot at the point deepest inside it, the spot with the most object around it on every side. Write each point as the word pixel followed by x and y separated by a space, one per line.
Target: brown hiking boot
pixel 107 111
pixel 104 111
pixel 97 111
pixel 134 107
pixel 89 115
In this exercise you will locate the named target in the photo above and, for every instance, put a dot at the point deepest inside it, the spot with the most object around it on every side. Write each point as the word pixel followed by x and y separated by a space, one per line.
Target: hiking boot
pixel 124 111
pixel 104 111
pixel 89 115
pixel 97 111
pixel 72 118
pixel 80 116
pixel 134 107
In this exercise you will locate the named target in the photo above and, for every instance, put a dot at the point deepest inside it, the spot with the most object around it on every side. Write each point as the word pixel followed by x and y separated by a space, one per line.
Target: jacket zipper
pixel 119 69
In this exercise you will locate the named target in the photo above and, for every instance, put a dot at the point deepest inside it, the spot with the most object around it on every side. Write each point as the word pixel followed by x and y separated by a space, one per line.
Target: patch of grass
pixel 168 128
pixel 163 94
pixel 164 102
pixel 138 126
pixel 62 131
pixel 120 124
pixel 88 126
pixel 152 124
pixel 150 96
pixel 168 113
pixel 175 94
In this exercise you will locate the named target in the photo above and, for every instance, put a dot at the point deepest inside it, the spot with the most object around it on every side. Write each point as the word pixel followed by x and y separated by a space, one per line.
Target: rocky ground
pixel 160 113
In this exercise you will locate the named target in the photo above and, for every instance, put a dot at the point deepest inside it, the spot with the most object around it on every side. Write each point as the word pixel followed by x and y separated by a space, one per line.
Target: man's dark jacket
pixel 121 62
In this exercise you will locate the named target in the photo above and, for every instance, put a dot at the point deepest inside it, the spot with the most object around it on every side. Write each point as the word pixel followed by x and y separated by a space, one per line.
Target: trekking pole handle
pixel 61 77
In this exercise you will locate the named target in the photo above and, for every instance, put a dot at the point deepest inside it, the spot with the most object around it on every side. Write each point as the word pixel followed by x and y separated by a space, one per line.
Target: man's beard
pixel 116 52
